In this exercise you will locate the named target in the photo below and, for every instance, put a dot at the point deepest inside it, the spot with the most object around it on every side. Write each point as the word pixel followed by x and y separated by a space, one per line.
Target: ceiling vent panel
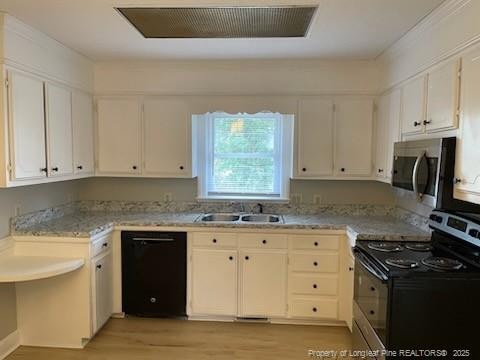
pixel 221 22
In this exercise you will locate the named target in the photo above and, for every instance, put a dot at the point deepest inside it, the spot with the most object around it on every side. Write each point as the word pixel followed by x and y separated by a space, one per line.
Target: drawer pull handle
pixel 315 263
pixel 230 258
pixel 314 309
pixel 214 241
pixel 314 286
pixel 246 258
pixel 264 241
pixel 315 243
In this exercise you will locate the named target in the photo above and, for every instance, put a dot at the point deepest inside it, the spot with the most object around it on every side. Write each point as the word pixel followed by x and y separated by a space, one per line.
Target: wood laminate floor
pixel 148 339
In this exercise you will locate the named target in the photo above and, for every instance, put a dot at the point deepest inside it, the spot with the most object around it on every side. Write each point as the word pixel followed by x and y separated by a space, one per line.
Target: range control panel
pixel 456 225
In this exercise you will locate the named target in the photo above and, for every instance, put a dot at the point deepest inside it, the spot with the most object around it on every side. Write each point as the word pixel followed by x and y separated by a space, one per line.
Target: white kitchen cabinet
pixel 102 296
pixel 413 106
pixel 347 268
pixel 83 133
pixel 393 130
pixel 214 282
pixel 59 131
pixel 263 283
pixel 119 136
pixel 443 97
pixel 381 135
pixel 27 124
pixel 315 138
pixel 167 138
pixel 353 133
pixel 467 171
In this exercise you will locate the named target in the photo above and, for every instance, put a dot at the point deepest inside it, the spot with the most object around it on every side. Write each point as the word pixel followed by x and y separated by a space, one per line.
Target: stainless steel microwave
pixel 426 170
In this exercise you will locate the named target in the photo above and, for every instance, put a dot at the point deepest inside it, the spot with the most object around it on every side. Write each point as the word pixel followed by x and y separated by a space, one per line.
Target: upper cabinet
pixel 393 130
pixel 83 133
pixel 381 136
pixel 315 138
pixel 467 162
pixel 27 127
pixel 167 139
pixel 430 103
pixel 119 134
pixel 353 134
pixel 59 131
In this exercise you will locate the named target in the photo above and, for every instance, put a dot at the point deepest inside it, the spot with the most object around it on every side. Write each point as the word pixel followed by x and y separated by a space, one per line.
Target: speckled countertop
pixel 86 224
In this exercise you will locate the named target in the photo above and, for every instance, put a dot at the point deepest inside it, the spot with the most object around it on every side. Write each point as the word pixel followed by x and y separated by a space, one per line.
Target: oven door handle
pixel 363 260
pixel 420 169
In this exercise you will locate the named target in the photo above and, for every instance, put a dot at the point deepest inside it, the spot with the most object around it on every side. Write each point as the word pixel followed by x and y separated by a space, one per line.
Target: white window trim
pixel 284 156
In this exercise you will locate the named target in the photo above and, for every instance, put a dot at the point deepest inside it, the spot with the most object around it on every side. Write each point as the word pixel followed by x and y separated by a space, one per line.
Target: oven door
pixel 370 297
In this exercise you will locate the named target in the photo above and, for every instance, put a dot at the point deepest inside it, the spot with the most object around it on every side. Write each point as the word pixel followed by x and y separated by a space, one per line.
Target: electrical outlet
pixel 296 198
pixel 167 197
pixel 317 199
pixel 17 210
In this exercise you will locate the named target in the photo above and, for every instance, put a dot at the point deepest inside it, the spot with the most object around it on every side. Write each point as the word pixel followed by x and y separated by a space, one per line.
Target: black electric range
pixel 420 295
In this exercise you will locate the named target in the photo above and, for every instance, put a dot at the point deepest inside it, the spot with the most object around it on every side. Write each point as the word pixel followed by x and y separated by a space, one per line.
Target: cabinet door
pixel 315 138
pixel 264 283
pixel 27 127
pixel 214 282
pixel 59 131
pixel 468 149
pixel 413 106
pixel 393 130
pixel 118 136
pixel 381 135
pixel 353 132
pixel 167 138
pixel 82 119
pixel 102 290
pixel 442 99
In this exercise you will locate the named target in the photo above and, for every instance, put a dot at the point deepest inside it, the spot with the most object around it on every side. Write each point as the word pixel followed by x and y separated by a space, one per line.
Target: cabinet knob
pixel 342 169
pixel 79 167
pixel 99 266
pixel 314 286
pixel 214 241
pixel 426 122
pixel 55 168
pixel 264 241
pixel 104 244
pixel 181 167
pixel 315 243
pixel 417 123
pixel 134 167
pixel 457 181
pixel 304 169
pixel 315 263
pixel 350 268
pixel 230 258
pixel 246 257
pixel 43 170
pixel 380 170
pixel 372 288
pixel 314 309
pixel 372 312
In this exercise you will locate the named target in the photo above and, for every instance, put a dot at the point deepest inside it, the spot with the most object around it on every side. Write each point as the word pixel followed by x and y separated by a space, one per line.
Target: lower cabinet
pixel 101 290
pixel 297 278
pixel 214 282
pixel 263 285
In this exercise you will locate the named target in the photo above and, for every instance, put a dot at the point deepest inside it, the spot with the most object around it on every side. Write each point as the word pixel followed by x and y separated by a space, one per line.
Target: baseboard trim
pixel 9 344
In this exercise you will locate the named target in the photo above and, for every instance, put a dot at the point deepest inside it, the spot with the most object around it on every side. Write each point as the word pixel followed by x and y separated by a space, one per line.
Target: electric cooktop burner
pixel 441 263
pixel 385 247
pixel 402 263
pixel 419 247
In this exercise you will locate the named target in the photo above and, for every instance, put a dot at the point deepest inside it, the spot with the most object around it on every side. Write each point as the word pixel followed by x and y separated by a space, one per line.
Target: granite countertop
pixel 87 224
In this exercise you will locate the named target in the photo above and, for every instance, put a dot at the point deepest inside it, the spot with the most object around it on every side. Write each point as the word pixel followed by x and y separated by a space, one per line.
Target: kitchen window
pixel 244 156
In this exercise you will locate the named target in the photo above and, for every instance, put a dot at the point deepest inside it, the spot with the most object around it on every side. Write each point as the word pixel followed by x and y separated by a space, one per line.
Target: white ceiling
pixel 342 29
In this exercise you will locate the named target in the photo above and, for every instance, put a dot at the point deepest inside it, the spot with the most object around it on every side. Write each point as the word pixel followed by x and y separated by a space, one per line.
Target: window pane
pixel 244 135
pixel 243 175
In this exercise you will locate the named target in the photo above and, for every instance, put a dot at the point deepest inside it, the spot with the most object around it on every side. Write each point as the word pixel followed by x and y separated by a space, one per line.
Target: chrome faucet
pixel 260 208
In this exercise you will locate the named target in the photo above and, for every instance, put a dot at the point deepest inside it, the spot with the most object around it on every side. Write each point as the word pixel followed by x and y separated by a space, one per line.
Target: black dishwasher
pixel 154 273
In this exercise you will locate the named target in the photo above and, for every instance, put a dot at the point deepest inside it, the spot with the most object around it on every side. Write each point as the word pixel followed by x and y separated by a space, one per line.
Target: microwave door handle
pixel 416 173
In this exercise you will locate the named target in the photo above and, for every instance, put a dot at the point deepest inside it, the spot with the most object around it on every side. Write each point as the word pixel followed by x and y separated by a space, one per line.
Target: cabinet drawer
pixel 315 262
pixel 313 284
pixel 215 239
pixel 267 241
pixel 101 245
pixel 314 242
pixel 315 308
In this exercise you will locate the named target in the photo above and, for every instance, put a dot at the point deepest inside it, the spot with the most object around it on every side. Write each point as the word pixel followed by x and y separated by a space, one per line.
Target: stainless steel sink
pixel 261 218
pixel 220 217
